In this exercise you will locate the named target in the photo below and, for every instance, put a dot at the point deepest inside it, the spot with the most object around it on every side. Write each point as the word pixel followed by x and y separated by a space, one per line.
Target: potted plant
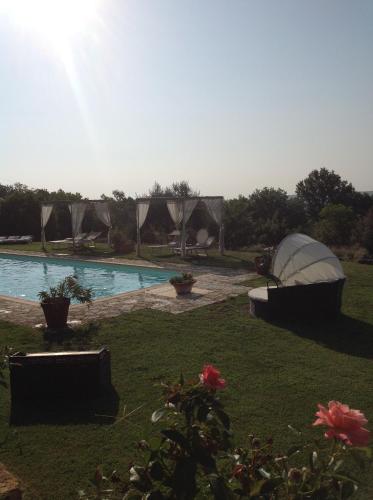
pixel 56 301
pixel 183 284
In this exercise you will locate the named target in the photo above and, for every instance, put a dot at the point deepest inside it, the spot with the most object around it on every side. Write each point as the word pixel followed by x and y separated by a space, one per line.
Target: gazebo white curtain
pixel 175 209
pixel 215 209
pixel 46 211
pixel 189 206
pixel 77 215
pixel 142 212
pixel 142 209
pixel 103 213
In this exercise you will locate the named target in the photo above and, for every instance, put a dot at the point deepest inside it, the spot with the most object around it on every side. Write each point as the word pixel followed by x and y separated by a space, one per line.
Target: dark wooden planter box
pixel 56 313
pixel 56 375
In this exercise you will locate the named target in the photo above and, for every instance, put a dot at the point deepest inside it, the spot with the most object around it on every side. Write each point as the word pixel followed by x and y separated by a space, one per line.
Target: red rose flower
pixel 238 471
pixel 210 377
pixel 344 423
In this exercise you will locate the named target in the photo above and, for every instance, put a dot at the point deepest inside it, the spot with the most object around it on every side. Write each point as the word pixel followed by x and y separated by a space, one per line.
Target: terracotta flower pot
pixel 56 312
pixel 183 288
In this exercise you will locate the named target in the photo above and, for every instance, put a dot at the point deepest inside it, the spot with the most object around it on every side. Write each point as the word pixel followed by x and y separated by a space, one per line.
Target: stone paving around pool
pixel 213 285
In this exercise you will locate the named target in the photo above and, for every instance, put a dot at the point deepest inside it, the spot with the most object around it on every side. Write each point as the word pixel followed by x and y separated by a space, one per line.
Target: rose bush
pixel 195 456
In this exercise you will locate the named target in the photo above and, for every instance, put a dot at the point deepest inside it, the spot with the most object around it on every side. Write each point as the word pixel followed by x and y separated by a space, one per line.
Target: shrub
pixel 195 456
pixel 368 231
pixel 120 242
pixel 336 225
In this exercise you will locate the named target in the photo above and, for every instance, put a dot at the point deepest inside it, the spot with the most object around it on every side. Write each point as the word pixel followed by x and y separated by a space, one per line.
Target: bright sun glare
pixel 59 25
pixel 56 21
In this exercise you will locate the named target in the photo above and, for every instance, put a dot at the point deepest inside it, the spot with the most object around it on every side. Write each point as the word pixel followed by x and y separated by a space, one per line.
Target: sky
pixel 233 95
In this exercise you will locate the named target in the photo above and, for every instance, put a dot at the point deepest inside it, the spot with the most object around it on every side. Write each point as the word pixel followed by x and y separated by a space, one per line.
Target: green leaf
pixel 204 458
pixel 293 449
pixel 270 485
pixel 183 480
pixel 156 470
pixel 223 417
pixel 158 414
pixel 202 413
pixel 313 460
pixel 139 479
pixel 348 489
pixel 264 473
pixel 155 495
pixel 219 488
pixel 345 477
pixel 177 437
pixel 256 488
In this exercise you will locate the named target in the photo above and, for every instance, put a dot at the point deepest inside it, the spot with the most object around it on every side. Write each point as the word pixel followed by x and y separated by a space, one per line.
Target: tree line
pixel 324 205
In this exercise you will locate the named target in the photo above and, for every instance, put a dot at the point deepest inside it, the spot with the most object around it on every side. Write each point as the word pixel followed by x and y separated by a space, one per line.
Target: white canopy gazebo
pixel 180 210
pixel 77 211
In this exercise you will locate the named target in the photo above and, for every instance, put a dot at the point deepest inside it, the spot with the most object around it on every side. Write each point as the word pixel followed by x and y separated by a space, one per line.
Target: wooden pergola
pixel 185 207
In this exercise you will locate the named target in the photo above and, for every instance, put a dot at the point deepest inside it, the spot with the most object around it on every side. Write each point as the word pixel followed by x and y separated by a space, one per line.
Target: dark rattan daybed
pixel 309 280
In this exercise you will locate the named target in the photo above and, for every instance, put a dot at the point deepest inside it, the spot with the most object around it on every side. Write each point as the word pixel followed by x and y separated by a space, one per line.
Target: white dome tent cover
pixel 301 260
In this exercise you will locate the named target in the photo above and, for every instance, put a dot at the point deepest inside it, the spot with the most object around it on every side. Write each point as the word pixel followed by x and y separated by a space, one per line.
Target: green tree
pixel 181 188
pixel 273 215
pixel 238 229
pixel 324 187
pixel 367 239
pixel 264 202
pixel 336 225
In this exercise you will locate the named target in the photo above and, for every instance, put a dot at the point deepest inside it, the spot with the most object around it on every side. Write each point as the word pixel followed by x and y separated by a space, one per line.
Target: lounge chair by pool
pixel 6 240
pixel 198 247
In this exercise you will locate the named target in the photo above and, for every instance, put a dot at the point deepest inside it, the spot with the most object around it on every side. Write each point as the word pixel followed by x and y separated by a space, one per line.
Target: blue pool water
pixel 24 277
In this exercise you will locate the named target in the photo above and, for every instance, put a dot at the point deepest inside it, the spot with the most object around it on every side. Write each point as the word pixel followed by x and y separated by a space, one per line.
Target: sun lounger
pixel 90 238
pixel 68 241
pixel 197 247
pixel 5 240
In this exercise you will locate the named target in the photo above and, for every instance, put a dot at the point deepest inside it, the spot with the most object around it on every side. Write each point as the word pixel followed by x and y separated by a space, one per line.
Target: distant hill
pixel 363 192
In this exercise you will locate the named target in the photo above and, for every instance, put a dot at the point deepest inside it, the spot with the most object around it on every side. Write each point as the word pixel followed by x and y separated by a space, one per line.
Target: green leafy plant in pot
pixel 56 301
pixel 183 284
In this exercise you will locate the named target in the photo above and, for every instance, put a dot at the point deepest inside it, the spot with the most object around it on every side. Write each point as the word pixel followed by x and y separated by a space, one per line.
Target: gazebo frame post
pixel 221 231
pixel 183 235
pixel 43 238
pixel 138 243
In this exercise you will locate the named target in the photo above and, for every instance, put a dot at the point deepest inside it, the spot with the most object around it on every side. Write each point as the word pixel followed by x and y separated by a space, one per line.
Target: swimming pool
pixel 24 276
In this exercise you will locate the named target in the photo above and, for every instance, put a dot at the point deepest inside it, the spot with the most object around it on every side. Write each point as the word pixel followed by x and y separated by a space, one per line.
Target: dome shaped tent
pixel 311 281
pixel 301 260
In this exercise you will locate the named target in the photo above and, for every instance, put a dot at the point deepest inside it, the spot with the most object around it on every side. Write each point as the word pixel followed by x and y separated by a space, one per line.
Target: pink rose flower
pixel 210 377
pixel 344 423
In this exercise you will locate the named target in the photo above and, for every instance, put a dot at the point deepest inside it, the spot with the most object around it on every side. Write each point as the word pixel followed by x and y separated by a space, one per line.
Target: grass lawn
pixel 276 375
pixel 232 259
